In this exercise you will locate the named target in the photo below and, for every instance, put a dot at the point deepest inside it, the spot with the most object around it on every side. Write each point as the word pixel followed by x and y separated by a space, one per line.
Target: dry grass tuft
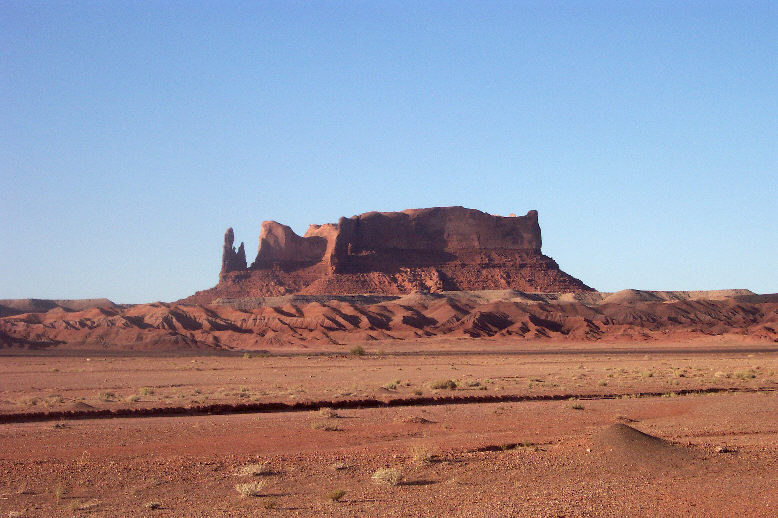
pixel 336 495
pixel 746 374
pixel 107 396
pixel 357 350
pixel 388 476
pixel 152 505
pixel 323 425
pixel 250 488
pixel 444 384
pixel 420 454
pixel 328 413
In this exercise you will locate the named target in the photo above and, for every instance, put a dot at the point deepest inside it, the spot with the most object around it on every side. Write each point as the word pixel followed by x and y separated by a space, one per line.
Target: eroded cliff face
pixel 434 249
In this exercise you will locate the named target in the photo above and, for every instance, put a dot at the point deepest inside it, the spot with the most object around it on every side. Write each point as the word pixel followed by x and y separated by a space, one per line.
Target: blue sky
pixel 134 133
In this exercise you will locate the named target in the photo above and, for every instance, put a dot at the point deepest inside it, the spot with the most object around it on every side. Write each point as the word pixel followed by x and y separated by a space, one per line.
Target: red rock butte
pixel 391 253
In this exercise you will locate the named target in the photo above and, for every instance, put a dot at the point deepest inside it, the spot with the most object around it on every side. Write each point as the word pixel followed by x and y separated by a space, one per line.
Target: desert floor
pixel 571 454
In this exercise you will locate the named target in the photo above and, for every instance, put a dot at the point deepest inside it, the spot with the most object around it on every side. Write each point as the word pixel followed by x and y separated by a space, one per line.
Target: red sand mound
pixel 626 445
pixel 436 249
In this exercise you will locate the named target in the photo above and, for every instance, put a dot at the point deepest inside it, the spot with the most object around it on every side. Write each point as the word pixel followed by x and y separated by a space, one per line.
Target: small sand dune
pixel 626 445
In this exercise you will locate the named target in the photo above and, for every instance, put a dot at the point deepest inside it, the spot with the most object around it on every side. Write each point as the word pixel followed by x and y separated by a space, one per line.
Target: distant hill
pixel 10 307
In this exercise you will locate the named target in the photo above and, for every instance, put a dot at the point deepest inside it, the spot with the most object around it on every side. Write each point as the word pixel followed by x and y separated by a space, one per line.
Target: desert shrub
pixel 54 399
pixel 444 384
pixel 357 350
pixel 152 505
pixel 420 454
pixel 388 476
pixel 745 375
pixel 328 413
pixel 392 385
pixel 107 396
pixel 323 425
pixel 146 391
pixel 251 488
pixel 335 495
pixel 577 406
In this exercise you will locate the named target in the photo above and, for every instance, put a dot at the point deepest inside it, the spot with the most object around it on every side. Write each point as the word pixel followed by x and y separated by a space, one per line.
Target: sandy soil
pixel 534 458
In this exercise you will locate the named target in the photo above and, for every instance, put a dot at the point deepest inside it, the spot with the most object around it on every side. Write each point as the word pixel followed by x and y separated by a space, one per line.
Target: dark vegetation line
pixel 305 406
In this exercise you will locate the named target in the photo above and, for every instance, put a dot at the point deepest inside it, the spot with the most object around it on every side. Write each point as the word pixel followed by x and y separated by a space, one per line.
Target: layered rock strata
pixel 429 250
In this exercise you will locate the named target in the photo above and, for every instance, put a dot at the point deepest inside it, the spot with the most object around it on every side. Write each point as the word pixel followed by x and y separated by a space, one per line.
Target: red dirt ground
pixel 534 458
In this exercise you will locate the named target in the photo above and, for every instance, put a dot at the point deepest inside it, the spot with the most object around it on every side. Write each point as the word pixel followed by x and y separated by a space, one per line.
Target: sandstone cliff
pixel 435 249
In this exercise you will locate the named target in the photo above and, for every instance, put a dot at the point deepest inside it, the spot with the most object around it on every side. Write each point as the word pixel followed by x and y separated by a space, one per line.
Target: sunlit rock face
pixel 434 249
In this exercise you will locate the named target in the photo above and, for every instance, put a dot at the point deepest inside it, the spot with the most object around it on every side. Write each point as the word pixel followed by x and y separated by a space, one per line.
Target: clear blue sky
pixel 132 134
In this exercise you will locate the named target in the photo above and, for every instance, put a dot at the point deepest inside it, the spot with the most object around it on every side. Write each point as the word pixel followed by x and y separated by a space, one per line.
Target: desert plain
pixel 427 428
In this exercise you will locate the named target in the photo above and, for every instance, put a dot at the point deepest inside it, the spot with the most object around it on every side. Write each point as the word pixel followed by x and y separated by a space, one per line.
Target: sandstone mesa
pixel 391 253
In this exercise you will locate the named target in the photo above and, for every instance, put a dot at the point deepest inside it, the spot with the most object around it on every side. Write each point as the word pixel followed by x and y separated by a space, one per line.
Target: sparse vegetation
pixel 420 454
pixel 336 495
pixel 576 406
pixel 250 488
pixel 146 391
pixel 152 505
pixel 392 385
pixel 745 374
pixel 323 425
pixel 443 384
pixel 107 396
pixel 388 476
pixel 328 413
pixel 357 350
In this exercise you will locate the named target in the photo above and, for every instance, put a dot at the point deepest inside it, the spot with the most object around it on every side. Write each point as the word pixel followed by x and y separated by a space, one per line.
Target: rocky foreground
pixel 328 322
